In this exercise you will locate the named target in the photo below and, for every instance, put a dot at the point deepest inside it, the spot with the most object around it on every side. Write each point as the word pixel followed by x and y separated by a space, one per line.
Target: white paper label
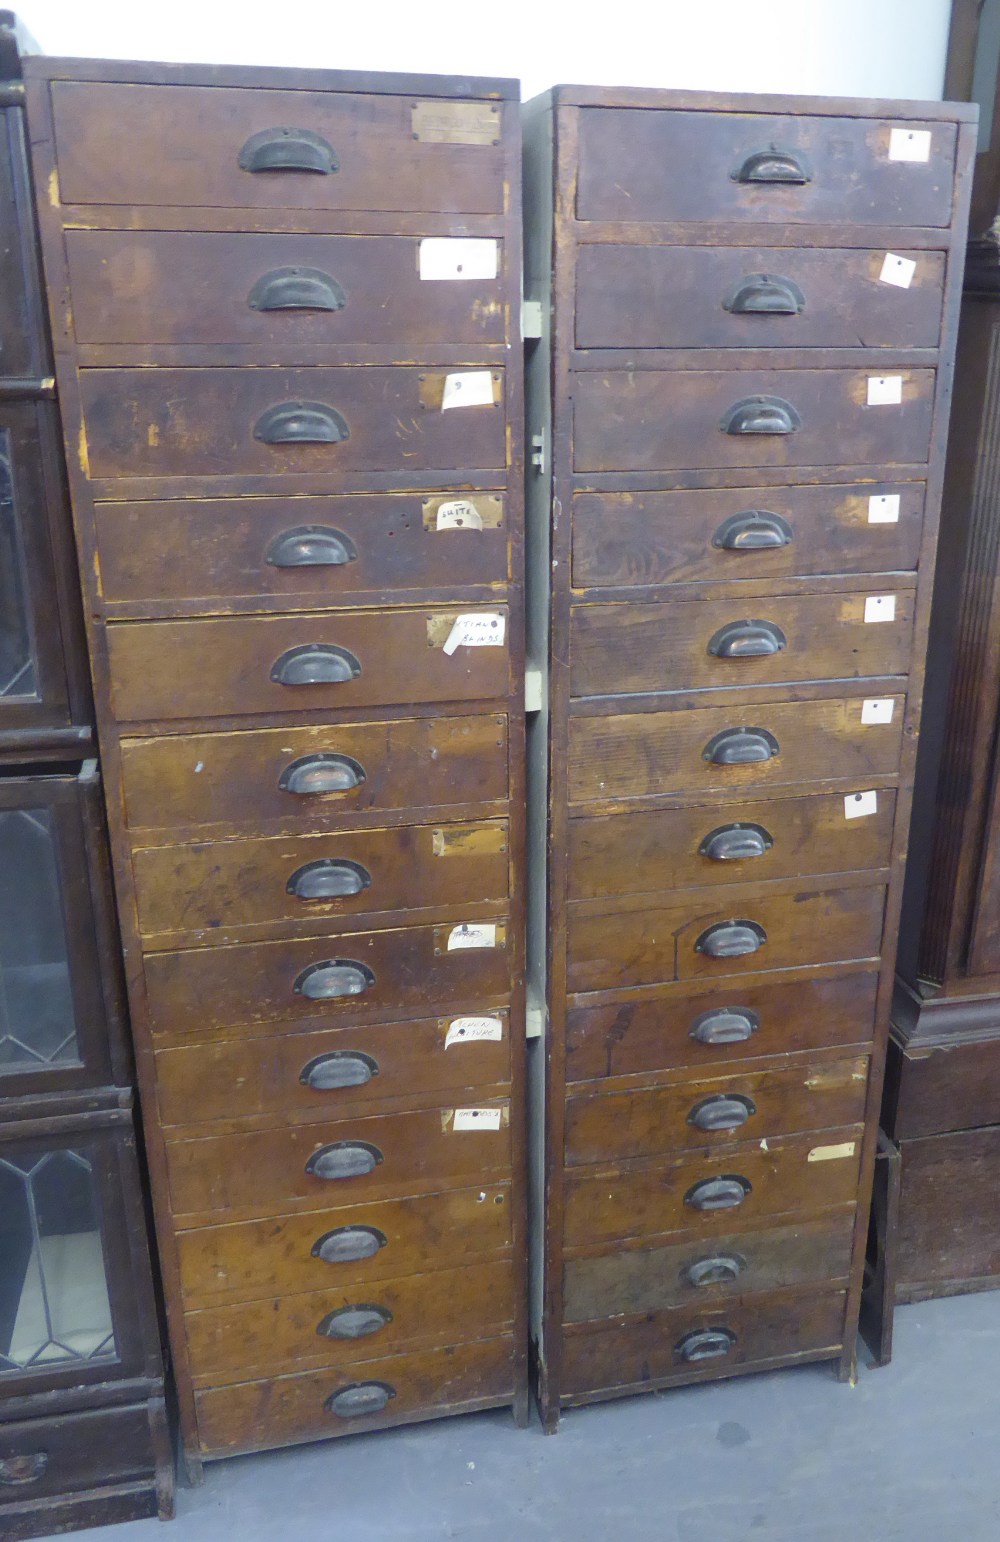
pixel 885 390
pixel 458 257
pixel 471 388
pixel 836 1153
pixel 909 144
pixel 878 709
pixel 459 514
pixel 897 270
pixel 476 629
pixel 477 1118
pixel 880 607
pixel 858 804
pixel 473 1030
pixel 473 934
pixel 883 509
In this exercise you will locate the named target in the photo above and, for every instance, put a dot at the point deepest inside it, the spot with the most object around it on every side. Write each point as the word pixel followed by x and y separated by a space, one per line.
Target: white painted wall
pixel 889 48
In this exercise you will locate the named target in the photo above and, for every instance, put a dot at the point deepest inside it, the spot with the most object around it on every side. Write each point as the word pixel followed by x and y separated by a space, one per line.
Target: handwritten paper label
pixel 477 1118
pixel 473 1030
pixel 883 509
pixel 458 257
pixel 878 709
pixel 897 270
pixel 836 1153
pixel 476 629
pixel 858 804
pixel 880 607
pixel 907 144
pixel 473 934
pixel 470 388
pixel 885 390
pixel 459 514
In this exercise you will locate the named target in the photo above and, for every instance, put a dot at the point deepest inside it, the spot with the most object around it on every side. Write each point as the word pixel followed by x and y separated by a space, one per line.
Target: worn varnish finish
pixel 747 427
pixel 316 778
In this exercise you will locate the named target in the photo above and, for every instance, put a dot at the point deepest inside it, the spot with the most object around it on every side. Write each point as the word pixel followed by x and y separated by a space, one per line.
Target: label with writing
pixel 880 607
pixel 468 388
pixel 878 709
pixel 476 629
pixel 477 1119
pixel 883 509
pixel 858 804
pixel 473 1030
pixel 906 144
pixel 458 257
pixel 836 1153
pixel 896 270
pixel 473 934
pixel 459 514
pixel 883 390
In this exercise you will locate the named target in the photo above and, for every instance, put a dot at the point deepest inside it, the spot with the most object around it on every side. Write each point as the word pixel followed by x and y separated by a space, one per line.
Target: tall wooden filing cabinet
pixel 749 337
pixel 286 317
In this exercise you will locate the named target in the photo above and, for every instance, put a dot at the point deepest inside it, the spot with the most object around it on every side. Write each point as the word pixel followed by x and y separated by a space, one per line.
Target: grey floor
pixel 910 1452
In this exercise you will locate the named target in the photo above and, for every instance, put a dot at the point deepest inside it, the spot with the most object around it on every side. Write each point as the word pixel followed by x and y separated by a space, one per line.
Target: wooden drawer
pixel 380 974
pixel 257 1414
pixel 616 1126
pixel 636 1356
pixel 201 555
pixel 288 1254
pixel 795 1175
pixel 248 888
pixel 659 850
pixel 182 145
pixel 177 287
pixel 678 537
pixel 670 420
pixel 689 645
pixel 335 1329
pixel 946 1088
pixel 754 297
pixel 163 670
pixel 643 754
pixel 212 423
pixel 417 1061
pixel 691 1274
pixel 705 1025
pixel 753 930
pixel 642 164
pixel 946 1234
pixel 256 1172
pixel 248 780
pixel 56 1456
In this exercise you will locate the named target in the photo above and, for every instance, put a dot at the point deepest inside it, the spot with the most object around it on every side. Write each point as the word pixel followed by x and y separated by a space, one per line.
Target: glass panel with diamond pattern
pixel 37 1024
pixel 18 674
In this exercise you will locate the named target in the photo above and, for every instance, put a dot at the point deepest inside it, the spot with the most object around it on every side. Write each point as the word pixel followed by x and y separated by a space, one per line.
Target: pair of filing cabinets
pixel 286 308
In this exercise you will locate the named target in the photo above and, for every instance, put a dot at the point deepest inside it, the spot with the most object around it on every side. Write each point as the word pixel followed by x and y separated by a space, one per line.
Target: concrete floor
pixel 911 1452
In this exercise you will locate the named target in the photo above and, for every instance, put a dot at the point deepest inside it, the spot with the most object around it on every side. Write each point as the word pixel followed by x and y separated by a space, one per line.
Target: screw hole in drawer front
pixel 311 546
pixel 349 1244
pixel 722 1111
pixel 344 1159
pixel 324 772
pixel 753 530
pixel 358 1321
pixel 328 878
pixel 725 1025
pixel 740 747
pixel 18 1471
pixel 315 664
pixel 288 149
pixel 726 1192
pixel 296 289
pixel 717 1269
pixel 359 1398
pixel 731 939
pixel 333 977
pixel 736 843
pixel 339 1068
pixel 705 1344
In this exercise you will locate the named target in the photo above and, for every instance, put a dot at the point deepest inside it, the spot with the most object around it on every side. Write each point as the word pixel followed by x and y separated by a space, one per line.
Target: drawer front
pixel 162 670
pixel 754 297
pixel 202 554
pixel 337 1329
pixel 251 1173
pixel 690 1274
pixel 334 1069
pixel 795 1175
pixel 649 420
pixel 287 1254
pixel 183 145
pixel 295 1408
pixel 248 423
pixel 753 532
pixel 734 935
pixel 951 1087
pixel 51 1457
pixel 699 1027
pixel 351 977
pixel 649 753
pixel 755 1333
pixel 295 778
pixel 640 164
pixel 672 848
pixel 243 886
pixel 615 1126
pixel 174 288
pixel 689 645
pixel 945 1230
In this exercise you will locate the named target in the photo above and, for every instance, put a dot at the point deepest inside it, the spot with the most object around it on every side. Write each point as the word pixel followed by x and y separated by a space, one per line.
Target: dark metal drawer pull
pixel 339 1068
pixel 325 772
pixel 288 149
pixel 334 977
pixel 315 664
pixel 722 1111
pixel 344 1159
pixel 311 546
pixel 296 289
pixel 774 166
pixel 752 530
pixel 719 1270
pixel 765 294
pixel 354 1322
pixel 724 1193
pixel 706 1344
pixel 349 1244
pixel 747 640
pixel 741 747
pixel 361 1397
pixel 725 1025
pixel 301 423
pixel 736 843
pixel 731 939
pixel 760 415
pixel 328 878
pixel 15 1471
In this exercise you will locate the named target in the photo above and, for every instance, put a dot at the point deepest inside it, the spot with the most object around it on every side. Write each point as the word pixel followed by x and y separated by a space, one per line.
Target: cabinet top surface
pixel 748 102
